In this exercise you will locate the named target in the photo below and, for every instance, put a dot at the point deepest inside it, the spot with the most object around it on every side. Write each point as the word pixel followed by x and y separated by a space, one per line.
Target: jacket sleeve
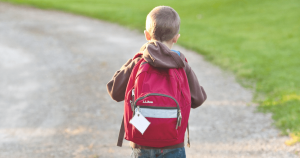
pixel 197 92
pixel 116 87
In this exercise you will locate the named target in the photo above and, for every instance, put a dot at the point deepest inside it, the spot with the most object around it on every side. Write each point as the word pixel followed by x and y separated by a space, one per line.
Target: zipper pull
pixel 178 120
pixel 138 109
pixel 132 100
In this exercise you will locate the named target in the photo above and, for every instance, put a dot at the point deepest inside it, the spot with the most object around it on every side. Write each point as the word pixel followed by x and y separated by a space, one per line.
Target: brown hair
pixel 163 23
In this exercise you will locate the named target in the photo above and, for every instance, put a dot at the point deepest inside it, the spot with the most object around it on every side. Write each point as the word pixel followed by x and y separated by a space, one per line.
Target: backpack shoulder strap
pixel 121 134
pixel 188 136
pixel 122 128
pixel 188 130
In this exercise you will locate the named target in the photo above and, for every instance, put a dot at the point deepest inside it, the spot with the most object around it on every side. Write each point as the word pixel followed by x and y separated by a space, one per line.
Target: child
pixel 162 27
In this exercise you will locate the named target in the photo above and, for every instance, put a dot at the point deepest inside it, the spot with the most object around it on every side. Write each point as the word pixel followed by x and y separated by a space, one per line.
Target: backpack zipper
pixel 179 116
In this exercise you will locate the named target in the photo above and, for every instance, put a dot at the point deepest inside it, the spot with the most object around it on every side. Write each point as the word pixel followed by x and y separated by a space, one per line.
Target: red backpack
pixel 163 97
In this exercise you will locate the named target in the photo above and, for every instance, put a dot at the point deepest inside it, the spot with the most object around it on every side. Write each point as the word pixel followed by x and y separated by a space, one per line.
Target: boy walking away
pixel 159 88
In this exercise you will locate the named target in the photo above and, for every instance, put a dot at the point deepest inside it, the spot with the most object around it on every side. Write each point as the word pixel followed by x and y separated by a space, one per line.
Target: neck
pixel 167 43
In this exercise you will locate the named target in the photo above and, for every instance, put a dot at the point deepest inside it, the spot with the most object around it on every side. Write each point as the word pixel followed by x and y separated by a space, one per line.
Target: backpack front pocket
pixel 163 113
pixel 162 126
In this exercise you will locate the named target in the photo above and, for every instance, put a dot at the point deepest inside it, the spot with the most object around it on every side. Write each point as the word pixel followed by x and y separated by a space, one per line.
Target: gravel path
pixel 53 101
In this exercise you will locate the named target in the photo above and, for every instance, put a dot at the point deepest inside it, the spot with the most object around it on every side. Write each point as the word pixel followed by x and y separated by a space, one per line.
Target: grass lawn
pixel 257 40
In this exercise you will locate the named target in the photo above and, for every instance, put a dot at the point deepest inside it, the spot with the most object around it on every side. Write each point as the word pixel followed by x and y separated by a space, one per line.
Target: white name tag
pixel 139 122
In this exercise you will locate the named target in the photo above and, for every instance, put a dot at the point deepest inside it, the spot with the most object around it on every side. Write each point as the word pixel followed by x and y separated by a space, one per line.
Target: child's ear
pixel 175 39
pixel 147 35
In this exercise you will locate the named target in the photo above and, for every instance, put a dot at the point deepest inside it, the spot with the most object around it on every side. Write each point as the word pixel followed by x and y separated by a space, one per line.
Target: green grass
pixel 257 40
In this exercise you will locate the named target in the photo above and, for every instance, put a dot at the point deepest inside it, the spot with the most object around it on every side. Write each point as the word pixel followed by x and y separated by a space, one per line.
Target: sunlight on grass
pixel 294 139
pixel 285 111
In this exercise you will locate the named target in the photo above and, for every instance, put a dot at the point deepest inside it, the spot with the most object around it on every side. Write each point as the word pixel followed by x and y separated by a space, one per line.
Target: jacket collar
pixel 158 54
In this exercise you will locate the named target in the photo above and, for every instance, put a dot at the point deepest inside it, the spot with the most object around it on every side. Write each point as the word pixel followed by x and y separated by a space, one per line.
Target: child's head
pixel 162 24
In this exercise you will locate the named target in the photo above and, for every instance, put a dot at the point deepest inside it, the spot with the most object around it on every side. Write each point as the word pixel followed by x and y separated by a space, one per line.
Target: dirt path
pixel 53 101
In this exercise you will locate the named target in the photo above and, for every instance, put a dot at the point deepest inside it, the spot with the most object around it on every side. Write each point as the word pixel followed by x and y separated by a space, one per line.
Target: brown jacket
pixel 158 55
